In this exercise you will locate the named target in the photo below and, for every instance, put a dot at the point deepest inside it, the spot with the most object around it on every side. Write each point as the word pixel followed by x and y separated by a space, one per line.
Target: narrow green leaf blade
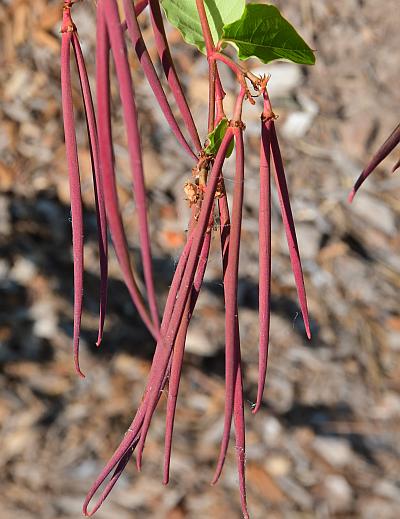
pixel 262 32
pixel 215 139
pixel 183 15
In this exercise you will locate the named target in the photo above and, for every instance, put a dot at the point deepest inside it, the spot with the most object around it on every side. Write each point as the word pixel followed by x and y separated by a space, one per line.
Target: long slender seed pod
pixel 238 406
pixel 127 95
pixel 231 314
pixel 164 348
pixel 107 164
pixel 288 222
pixel 151 75
pixel 170 72
pixel 264 254
pixel 134 430
pixel 139 8
pixel 74 178
pixel 97 180
pixel 238 420
pixel 391 142
pixel 177 357
pixel 173 388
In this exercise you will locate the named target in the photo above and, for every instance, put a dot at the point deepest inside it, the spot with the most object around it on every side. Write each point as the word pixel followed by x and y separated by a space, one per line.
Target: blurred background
pixel 326 442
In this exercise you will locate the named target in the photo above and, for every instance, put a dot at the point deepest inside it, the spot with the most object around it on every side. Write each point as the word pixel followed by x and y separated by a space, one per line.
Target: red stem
pixel 212 71
pixel 219 97
pixel 205 27
pixel 211 63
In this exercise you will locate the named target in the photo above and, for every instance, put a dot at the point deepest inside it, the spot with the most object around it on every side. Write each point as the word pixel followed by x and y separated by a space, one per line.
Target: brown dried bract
pixel 192 193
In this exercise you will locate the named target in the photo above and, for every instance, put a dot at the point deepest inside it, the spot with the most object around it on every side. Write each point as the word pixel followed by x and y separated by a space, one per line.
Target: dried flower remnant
pixel 387 147
pixel 208 204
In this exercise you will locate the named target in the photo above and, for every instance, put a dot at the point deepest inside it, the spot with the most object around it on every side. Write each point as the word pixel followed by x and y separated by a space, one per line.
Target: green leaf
pixel 183 15
pixel 215 139
pixel 262 32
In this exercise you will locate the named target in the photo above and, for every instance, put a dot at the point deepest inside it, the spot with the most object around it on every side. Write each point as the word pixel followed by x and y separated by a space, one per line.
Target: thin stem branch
pixel 240 72
pixel 205 27
pixel 219 98
pixel 212 72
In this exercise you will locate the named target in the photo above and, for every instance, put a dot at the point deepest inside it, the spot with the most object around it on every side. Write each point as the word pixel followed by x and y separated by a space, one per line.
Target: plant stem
pixel 236 68
pixel 219 97
pixel 205 27
pixel 212 71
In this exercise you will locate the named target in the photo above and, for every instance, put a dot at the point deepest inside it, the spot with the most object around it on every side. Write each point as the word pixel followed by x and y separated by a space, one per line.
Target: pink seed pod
pixel 107 162
pixel 67 30
pixel 387 147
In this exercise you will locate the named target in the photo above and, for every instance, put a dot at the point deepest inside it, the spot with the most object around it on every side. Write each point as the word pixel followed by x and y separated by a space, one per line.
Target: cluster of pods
pixel 209 198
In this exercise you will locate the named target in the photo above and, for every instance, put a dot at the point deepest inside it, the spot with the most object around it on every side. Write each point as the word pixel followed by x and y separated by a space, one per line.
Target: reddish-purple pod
pixel 67 31
pixel 288 222
pixel 391 142
pixel 119 52
pixel 264 248
pixel 97 179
